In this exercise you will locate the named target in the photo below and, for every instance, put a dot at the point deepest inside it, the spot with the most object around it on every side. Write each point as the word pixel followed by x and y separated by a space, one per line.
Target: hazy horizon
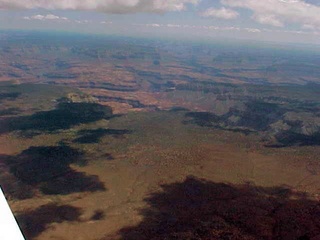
pixel 283 21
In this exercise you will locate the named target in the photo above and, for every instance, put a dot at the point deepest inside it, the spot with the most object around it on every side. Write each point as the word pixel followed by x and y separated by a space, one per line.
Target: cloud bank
pixel 223 13
pixel 46 17
pixel 279 12
pixel 107 6
pixel 199 27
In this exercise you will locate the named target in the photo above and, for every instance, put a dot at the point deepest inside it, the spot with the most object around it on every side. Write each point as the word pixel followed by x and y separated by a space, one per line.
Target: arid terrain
pixel 105 138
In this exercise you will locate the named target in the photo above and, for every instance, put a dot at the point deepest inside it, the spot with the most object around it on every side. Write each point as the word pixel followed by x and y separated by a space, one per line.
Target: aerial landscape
pixel 124 137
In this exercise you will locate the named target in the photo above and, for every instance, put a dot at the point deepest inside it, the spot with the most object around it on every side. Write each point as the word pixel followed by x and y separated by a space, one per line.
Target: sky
pixel 294 21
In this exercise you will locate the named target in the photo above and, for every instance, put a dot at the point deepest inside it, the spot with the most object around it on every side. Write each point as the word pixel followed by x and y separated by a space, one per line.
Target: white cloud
pixel 51 17
pixel 173 25
pixel 201 27
pixel 82 21
pixel 278 12
pixel 38 17
pixel 108 6
pixel 155 25
pixel 308 27
pixel 253 30
pixel 230 29
pixel 105 22
pixel 223 13
pixel 45 17
pixel 268 19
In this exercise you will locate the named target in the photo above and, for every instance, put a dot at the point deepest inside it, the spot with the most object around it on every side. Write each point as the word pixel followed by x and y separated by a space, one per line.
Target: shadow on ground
pixel 48 169
pixel 253 121
pixel 203 210
pixel 34 222
pixel 65 116
pixel 9 95
pixel 9 111
pixel 12 187
pixel 289 138
pixel 256 116
pixel 94 136
pixel 207 119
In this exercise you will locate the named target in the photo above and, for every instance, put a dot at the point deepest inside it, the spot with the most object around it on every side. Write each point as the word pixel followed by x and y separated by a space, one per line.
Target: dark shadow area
pixel 34 222
pixel 207 119
pixel 107 156
pixel 98 215
pixel 72 182
pixel 203 119
pixel 11 186
pixel 9 95
pixel 178 109
pixel 48 168
pixel 9 111
pixel 288 138
pixel 200 209
pixel 131 102
pixel 94 136
pixel 295 136
pixel 40 164
pixel 65 116
pixel 109 86
pixel 258 115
